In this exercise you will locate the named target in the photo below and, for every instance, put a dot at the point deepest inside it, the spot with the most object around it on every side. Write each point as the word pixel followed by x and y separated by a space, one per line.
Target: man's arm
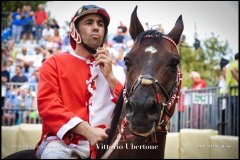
pixel 235 73
pixel 93 135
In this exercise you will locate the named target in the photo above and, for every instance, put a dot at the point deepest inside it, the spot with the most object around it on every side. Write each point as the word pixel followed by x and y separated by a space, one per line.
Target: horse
pixel 147 102
pixel 153 81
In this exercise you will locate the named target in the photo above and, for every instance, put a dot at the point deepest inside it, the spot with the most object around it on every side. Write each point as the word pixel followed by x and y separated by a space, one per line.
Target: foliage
pixel 11 6
pixel 204 60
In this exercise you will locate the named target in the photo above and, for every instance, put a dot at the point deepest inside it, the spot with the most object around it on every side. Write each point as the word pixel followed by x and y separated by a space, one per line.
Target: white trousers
pixel 57 149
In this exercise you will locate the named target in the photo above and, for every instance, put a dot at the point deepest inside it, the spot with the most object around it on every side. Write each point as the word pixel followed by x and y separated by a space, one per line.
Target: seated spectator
pixel 11 67
pixel 5 53
pixel 57 39
pixel 119 38
pixel 47 32
pixel 5 76
pixel 19 77
pixel 12 49
pixel 24 101
pixel 54 24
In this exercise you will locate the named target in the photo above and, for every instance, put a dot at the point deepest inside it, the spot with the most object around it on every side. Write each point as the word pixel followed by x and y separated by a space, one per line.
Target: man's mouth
pixel 95 36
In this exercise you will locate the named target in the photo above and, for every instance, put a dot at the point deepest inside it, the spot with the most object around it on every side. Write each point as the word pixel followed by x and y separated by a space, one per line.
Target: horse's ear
pixel 135 25
pixel 175 33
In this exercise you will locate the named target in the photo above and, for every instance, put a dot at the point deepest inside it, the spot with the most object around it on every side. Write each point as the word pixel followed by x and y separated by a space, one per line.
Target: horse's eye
pixel 128 64
pixel 174 62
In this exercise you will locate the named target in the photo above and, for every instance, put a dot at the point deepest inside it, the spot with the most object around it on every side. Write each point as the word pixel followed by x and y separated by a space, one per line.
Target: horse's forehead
pixel 150 49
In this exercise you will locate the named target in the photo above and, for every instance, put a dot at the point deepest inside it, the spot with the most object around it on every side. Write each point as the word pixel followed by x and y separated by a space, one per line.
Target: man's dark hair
pixel 236 56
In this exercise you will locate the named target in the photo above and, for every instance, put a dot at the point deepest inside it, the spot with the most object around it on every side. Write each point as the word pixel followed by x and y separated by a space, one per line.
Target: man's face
pixel 91 29
pixel 18 70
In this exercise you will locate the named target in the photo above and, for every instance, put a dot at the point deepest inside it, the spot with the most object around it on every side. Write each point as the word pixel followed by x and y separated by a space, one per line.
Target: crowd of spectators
pixel 34 38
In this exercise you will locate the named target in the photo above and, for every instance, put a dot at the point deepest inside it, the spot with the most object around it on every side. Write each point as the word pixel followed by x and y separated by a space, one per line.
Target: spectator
pixel 119 38
pixel 12 49
pixel 222 80
pixel 16 21
pixel 23 57
pixel 19 77
pixel 24 101
pixel 66 42
pixel 57 39
pixel 47 32
pixel 198 108
pixel 28 23
pixel 5 53
pixel 40 19
pixel 198 82
pixel 232 75
pixel 54 24
pixel 5 78
pixel 11 67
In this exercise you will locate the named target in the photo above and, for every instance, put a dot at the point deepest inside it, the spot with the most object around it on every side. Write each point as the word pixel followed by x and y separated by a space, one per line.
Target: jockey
pixel 77 90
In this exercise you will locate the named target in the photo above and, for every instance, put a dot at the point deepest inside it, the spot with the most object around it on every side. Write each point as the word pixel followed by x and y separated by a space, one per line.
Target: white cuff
pixel 69 125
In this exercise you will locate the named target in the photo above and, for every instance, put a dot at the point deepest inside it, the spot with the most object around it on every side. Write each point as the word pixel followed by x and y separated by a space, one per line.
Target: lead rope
pixel 119 136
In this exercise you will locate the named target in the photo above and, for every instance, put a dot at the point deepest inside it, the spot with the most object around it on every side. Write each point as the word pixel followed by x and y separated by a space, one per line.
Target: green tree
pixel 204 60
pixel 214 50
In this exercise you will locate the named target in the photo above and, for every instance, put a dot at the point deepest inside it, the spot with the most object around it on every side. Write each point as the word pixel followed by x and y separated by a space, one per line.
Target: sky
pixel 203 17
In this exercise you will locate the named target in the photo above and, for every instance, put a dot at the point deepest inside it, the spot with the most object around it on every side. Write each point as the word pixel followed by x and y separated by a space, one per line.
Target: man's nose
pixel 95 26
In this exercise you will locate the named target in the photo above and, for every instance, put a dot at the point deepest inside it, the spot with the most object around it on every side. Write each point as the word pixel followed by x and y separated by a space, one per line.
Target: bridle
pixel 146 80
pixel 164 107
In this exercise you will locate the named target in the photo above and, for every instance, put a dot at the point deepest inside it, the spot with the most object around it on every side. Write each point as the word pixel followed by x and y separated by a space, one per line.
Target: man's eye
pixel 101 24
pixel 89 23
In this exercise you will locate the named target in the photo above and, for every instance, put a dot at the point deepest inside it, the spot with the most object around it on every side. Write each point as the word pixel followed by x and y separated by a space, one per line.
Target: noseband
pixel 146 80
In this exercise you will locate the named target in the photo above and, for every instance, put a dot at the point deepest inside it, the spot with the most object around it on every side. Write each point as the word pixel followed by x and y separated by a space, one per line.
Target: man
pixel 40 19
pixel 232 76
pixel 19 77
pixel 197 110
pixel 198 82
pixel 5 78
pixel 77 90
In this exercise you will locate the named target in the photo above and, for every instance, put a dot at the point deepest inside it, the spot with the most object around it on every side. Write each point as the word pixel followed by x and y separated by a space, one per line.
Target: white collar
pixel 81 57
pixel 76 55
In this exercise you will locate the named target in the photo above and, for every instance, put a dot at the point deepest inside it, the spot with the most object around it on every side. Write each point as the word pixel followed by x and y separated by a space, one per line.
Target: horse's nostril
pixel 152 109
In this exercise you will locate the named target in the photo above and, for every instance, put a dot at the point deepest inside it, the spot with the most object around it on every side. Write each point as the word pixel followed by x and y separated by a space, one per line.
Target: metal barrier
pixel 200 109
pixel 20 104
pixel 206 108
pixel 15 116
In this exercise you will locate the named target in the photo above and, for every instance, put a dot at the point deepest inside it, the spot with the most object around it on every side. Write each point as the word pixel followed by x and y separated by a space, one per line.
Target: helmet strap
pixel 89 49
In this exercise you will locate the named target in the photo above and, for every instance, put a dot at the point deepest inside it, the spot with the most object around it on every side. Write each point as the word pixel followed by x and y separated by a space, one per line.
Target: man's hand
pixel 103 59
pixel 93 135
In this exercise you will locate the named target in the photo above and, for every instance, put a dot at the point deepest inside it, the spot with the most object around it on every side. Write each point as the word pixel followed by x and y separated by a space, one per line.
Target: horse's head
pixel 153 77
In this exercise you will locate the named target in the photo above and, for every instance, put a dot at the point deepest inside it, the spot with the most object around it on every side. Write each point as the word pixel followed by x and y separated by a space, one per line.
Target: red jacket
pixel 200 84
pixel 71 90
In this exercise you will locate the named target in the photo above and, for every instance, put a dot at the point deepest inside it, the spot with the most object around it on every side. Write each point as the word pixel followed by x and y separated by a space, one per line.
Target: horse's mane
pixel 153 35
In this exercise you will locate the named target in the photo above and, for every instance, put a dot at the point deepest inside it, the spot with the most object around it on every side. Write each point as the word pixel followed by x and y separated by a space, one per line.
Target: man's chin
pixel 95 46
